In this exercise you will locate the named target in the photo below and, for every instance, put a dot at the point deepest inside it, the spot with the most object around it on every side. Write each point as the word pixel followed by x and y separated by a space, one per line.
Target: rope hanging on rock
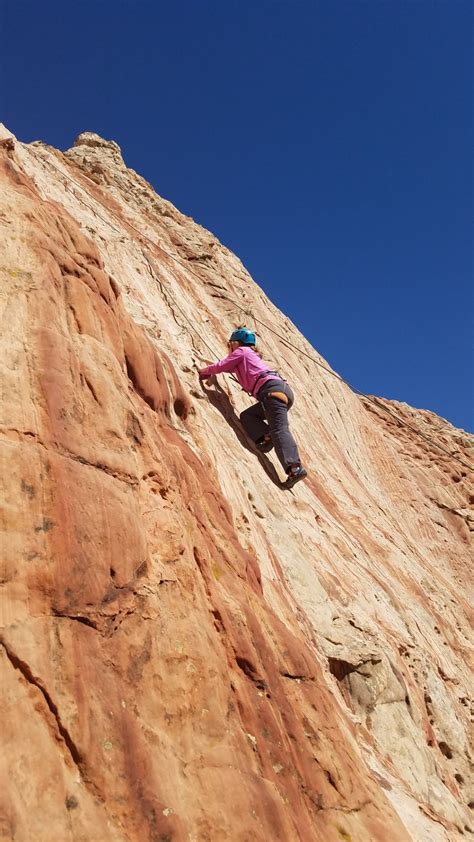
pixel 289 344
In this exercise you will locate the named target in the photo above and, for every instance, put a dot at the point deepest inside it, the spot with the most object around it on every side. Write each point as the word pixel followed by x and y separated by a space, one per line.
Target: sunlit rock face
pixel 188 652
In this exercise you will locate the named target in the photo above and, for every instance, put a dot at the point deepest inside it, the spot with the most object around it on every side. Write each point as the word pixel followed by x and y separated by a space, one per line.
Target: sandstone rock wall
pixel 189 652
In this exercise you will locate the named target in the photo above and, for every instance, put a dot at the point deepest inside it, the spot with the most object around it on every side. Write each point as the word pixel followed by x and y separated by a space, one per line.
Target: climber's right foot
pixel 296 474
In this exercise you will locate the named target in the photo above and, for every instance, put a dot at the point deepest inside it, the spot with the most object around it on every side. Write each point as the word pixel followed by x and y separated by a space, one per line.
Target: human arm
pixel 228 364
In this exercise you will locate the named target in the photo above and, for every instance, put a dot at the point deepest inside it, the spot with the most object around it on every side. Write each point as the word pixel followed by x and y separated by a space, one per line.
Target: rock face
pixel 187 651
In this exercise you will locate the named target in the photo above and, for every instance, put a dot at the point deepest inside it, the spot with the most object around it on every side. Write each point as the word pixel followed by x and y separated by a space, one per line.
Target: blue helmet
pixel 243 335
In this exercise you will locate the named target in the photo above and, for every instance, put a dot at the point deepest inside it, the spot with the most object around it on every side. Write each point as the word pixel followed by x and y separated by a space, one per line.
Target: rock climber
pixel 265 422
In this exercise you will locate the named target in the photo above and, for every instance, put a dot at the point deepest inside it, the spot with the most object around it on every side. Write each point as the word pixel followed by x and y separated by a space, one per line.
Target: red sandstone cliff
pixel 188 652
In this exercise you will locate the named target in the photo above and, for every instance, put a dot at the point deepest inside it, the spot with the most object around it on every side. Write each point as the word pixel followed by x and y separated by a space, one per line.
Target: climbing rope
pixel 375 401
pixel 369 398
pixel 209 348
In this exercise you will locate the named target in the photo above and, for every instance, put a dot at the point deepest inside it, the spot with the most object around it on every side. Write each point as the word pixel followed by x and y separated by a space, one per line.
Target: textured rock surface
pixel 188 652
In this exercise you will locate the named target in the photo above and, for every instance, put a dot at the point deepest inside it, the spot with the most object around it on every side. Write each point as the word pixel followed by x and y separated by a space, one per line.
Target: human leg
pixel 276 411
pixel 253 422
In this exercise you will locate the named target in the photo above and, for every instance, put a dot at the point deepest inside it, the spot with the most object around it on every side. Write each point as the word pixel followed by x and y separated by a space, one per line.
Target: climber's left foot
pixel 264 444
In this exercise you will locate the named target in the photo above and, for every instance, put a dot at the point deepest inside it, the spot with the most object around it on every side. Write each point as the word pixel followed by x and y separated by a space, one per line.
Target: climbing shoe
pixel 294 476
pixel 265 444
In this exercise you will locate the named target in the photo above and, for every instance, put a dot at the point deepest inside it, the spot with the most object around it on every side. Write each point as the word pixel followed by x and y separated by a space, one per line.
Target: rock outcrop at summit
pixel 188 652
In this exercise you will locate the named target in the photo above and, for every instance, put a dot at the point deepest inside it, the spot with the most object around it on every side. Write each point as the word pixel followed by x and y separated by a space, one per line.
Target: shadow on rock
pixel 218 398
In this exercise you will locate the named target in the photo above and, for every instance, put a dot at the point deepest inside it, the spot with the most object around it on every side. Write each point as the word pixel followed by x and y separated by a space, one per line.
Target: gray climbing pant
pixel 270 416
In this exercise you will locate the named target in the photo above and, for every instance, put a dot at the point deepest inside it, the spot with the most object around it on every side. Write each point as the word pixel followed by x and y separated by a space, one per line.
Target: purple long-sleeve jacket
pixel 247 366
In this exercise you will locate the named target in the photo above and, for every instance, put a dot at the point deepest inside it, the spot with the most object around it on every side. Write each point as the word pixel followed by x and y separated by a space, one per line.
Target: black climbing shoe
pixel 264 445
pixel 295 476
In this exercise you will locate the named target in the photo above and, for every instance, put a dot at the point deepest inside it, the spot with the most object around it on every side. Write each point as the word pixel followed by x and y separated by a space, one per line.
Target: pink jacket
pixel 246 365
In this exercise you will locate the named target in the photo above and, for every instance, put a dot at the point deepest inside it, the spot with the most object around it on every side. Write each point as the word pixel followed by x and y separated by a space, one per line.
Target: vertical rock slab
pixel 194 654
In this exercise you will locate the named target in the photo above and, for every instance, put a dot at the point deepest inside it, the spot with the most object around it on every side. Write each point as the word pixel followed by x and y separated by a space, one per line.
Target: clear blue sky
pixel 327 143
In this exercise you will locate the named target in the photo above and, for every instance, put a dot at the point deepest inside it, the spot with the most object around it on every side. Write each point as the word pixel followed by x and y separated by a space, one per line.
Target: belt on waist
pixel 259 377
